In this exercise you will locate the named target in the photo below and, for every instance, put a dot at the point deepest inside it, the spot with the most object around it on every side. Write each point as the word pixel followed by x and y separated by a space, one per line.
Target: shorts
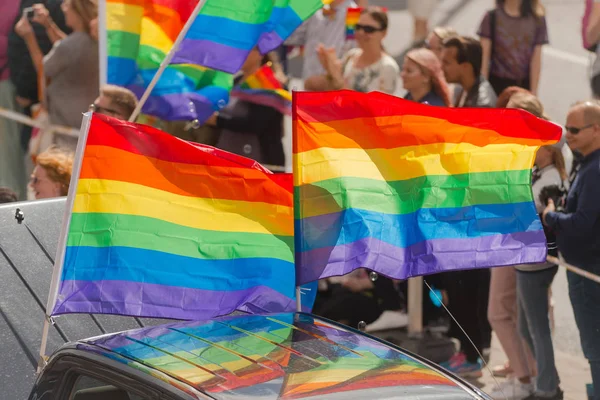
pixel 422 9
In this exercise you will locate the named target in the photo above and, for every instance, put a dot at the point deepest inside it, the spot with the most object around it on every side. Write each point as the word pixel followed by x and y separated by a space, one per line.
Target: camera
pixel 556 193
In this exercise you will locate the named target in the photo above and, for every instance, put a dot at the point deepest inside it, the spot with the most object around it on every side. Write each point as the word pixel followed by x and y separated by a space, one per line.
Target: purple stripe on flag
pixel 269 100
pixel 176 106
pixel 161 301
pixel 269 41
pixel 429 257
pixel 211 55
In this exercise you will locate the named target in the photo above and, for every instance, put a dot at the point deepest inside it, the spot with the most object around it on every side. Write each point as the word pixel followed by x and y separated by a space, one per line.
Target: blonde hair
pixel 431 65
pixel 58 163
pixel 87 11
pixel 528 102
pixel 444 32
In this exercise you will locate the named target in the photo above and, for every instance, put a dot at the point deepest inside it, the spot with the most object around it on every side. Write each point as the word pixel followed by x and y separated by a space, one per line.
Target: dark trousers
pixel 585 299
pixel 342 305
pixel 499 84
pixel 468 296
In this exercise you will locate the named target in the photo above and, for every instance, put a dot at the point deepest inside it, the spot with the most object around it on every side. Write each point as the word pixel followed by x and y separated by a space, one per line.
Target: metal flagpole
pixel 62 241
pixel 165 63
pixel 102 42
pixel 298 299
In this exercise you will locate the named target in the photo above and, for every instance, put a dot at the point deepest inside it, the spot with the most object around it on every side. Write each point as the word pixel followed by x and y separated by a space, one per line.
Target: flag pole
pixel 102 43
pixel 62 240
pixel 167 60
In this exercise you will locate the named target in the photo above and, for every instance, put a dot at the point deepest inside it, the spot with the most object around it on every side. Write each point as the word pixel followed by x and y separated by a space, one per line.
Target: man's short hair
pixel 120 97
pixel 468 49
pixel 7 195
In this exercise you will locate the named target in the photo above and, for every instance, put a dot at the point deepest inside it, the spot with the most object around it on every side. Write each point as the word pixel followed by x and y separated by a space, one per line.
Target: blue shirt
pixel 578 228
pixel 430 98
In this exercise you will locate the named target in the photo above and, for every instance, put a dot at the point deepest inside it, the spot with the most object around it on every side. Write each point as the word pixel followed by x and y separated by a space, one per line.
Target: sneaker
pixel 559 395
pixel 502 371
pixel 457 358
pixel 512 390
pixel 467 369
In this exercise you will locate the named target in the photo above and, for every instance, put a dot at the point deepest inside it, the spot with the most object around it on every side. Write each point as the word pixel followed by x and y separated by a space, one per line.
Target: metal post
pixel 415 306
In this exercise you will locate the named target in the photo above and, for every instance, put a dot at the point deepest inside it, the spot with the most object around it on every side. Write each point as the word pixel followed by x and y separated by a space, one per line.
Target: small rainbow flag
pixel 139 35
pixel 160 227
pixel 407 189
pixel 224 32
pixel 264 88
pixel 352 16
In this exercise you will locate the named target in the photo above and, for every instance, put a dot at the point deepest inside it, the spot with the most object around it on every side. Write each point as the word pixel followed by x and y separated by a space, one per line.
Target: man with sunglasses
pixel 578 229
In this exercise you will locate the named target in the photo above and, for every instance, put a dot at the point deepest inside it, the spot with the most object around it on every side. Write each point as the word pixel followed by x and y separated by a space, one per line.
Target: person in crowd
pixel 468 291
pixel 528 287
pixel 52 173
pixel 421 11
pixel 22 71
pixel 71 67
pixel 577 229
pixel 12 166
pixel 592 37
pixel 461 61
pixel 356 297
pixel 512 36
pixel 115 101
pixel 423 78
pixel 249 129
pixel 364 69
pixel 436 38
pixel 327 27
pixel 7 195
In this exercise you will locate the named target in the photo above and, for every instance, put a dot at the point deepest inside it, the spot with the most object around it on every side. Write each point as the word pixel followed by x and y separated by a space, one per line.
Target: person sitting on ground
pixel 52 173
pixel 364 69
pixel 115 101
pixel 7 195
pixel 423 78
pixel 461 61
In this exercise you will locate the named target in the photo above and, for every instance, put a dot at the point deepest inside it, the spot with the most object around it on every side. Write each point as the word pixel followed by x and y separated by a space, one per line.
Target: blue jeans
pixel 534 324
pixel 585 299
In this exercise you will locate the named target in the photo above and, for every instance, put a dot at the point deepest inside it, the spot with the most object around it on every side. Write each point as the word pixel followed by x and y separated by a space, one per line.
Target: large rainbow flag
pixel 139 34
pixel 264 88
pixel 407 189
pixel 165 228
pixel 224 32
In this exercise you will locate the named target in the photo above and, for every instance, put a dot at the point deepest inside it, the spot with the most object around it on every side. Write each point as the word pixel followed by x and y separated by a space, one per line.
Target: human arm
pixel 581 222
pixel 592 33
pixel 486 33
pixel 41 15
pixel 24 29
pixel 390 74
pixel 535 67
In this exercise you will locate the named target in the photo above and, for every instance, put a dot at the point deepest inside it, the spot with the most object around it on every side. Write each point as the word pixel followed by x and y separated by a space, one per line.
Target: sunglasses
pixel 574 131
pixel 366 28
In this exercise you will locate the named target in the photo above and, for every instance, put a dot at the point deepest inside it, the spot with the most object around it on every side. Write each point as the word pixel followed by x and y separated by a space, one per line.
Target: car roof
pixel 288 356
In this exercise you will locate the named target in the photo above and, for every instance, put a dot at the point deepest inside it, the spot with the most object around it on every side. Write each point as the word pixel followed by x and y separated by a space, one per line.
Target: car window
pixel 88 388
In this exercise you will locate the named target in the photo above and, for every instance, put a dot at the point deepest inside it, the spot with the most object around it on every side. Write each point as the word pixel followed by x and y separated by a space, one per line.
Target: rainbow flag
pixel 160 227
pixel 224 32
pixel 352 16
pixel 139 34
pixel 264 88
pixel 407 189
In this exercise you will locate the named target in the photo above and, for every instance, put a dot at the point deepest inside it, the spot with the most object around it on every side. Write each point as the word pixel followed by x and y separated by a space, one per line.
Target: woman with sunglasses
pixel 423 78
pixel 364 69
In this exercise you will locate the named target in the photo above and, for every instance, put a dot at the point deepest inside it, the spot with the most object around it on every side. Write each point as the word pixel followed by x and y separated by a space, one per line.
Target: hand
pixel 549 208
pixel 321 53
pixel 23 27
pixel 212 121
pixel 41 15
pixel 94 29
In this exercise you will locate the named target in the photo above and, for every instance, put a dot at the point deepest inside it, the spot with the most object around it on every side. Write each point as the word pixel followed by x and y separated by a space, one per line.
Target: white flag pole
pixel 167 60
pixel 62 240
pixel 102 42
